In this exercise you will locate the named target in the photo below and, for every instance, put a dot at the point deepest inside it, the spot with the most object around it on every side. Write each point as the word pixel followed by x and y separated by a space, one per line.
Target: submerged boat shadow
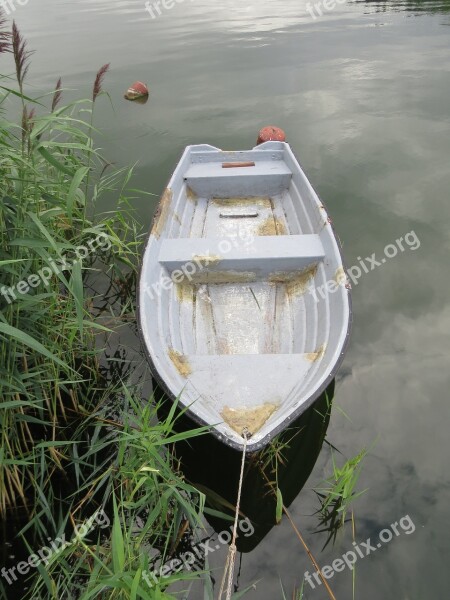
pixel 214 468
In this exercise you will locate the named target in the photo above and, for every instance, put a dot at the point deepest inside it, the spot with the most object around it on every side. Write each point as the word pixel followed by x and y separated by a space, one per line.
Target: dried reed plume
pixel 27 125
pixel 27 117
pixel 57 94
pixel 21 55
pixel 98 81
pixel 5 36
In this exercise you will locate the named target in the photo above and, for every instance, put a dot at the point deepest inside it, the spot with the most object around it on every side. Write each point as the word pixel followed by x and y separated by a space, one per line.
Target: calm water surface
pixel 363 93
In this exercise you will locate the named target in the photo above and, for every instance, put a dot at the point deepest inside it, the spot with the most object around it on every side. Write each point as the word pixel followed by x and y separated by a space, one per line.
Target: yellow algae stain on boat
pixel 313 356
pixel 221 277
pixel 263 202
pixel 208 259
pixel 296 282
pixel 181 363
pixel 185 292
pixel 190 194
pixel 272 226
pixel 251 418
pixel 162 213
pixel 340 276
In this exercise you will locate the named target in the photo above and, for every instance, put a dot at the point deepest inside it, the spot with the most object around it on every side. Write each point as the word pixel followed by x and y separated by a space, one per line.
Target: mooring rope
pixel 231 556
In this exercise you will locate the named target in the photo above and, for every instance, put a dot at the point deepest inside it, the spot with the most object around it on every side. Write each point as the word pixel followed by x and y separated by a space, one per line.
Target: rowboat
pixel 244 304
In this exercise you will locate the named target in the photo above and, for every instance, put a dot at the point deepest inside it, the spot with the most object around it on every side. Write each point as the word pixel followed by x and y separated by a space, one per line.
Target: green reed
pixel 48 354
pixel 74 439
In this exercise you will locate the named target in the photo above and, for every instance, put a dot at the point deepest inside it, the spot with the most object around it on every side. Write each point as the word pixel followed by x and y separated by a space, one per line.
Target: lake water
pixel 363 92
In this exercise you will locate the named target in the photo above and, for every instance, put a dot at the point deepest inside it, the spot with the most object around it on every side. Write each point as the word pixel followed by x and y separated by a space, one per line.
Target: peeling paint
pixel 162 213
pixel 251 418
pixel 208 259
pixel 221 277
pixel 181 363
pixel 264 202
pixel 272 226
pixel 190 194
pixel 185 292
pixel 296 282
pixel 313 356
pixel 340 276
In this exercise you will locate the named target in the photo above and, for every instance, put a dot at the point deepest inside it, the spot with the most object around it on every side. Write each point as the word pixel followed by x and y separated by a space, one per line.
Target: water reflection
pixel 214 469
pixel 416 6
pixel 363 94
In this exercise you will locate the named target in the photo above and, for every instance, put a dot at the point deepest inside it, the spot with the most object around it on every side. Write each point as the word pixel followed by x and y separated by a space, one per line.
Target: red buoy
pixel 271 134
pixel 136 91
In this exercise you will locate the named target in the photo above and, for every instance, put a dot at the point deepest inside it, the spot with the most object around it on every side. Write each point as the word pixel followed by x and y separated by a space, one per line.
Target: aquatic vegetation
pixel 77 439
pixel 298 594
pixel 98 83
pixel 49 247
pixel 148 501
pixel 338 493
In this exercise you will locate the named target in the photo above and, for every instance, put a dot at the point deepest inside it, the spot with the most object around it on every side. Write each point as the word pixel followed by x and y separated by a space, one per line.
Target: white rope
pixel 231 556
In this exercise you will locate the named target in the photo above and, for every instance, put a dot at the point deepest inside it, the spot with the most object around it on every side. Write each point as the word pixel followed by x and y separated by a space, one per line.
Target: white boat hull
pixel 244 304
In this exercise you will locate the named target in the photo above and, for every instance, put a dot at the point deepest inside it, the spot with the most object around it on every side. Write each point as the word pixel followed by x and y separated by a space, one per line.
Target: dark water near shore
pixel 364 95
